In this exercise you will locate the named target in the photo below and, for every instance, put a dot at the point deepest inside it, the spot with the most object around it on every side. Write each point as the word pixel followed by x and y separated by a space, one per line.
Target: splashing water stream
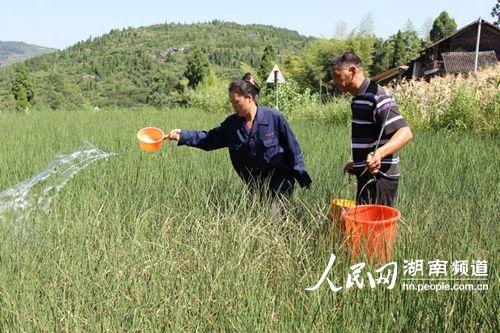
pixel 39 191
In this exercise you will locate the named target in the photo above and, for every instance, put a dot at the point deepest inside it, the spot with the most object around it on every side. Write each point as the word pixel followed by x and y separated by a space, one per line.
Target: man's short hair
pixel 346 59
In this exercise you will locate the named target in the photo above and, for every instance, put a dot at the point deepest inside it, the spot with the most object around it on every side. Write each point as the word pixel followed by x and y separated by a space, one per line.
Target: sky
pixel 61 23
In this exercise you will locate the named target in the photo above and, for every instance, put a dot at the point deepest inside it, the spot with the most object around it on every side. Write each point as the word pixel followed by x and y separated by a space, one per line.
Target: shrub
pixel 453 102
pixel 210 95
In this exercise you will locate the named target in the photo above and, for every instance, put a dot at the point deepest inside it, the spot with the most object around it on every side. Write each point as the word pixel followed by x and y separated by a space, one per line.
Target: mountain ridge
pixel 120 67
pixel 16 51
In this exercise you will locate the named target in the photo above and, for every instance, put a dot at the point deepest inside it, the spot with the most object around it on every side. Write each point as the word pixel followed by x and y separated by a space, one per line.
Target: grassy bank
pixel 172 242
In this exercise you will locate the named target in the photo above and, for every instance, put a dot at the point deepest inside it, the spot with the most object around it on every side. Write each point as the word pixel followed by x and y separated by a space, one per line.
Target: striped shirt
pixel 371 107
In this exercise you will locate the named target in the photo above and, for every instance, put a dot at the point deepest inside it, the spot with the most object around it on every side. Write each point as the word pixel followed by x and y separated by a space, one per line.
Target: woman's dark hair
pixel 248 77
pixel 245 86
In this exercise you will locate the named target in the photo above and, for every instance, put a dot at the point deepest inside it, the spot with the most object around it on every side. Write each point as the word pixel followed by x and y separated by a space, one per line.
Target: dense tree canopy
pixel 121 68
pixel 157 65
pixel 442 27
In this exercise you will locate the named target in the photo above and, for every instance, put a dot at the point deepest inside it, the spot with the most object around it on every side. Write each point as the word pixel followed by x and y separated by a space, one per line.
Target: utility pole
pixel 477 44
pixel 276 89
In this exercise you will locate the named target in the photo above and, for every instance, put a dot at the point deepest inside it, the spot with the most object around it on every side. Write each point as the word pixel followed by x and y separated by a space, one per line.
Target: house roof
pixel 463 62
pixel 459 31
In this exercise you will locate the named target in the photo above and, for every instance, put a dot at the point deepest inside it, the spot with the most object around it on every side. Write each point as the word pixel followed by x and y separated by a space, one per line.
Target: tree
pixel 397 50
pixel 366 27
pixel 409 26
pixel 312 68
pixel 160 87
pixel 425 30
pixel 495 13
pixel 399 55
pixel 383 52
pixel 21 87
pixel 22 101
pixel 198 67
pixel 413 43
pixel 340 32
pixel 361 41
pixel 442 27
pixel 267 62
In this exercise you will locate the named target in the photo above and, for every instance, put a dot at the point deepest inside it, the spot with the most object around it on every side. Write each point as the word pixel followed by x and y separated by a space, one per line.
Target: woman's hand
pixel 174 135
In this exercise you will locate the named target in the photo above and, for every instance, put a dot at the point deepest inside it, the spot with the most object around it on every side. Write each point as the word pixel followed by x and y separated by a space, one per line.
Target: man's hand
pixel 174 135
pixel 373 162
pixel 349 168
pixel 401 137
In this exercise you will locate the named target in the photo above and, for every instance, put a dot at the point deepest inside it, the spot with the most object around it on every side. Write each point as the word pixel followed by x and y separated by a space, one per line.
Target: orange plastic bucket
pixel 151 139
pixel 371 229
pixel 335 216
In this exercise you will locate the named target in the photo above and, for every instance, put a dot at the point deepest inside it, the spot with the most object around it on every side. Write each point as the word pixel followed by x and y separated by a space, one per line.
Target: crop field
pixel 172 241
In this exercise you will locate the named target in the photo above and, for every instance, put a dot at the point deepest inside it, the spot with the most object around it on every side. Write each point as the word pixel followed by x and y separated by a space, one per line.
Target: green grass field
pixel 171 241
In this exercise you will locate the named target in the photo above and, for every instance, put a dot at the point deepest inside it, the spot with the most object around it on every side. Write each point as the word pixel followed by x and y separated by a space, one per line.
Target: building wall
pixel 466 41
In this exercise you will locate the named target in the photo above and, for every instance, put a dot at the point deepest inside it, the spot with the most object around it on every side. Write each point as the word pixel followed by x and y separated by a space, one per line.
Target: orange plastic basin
pixel 371 229
pixel 150 139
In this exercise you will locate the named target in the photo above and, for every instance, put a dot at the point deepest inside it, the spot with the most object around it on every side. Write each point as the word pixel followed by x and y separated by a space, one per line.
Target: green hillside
pixel 121 67
pixel 12 52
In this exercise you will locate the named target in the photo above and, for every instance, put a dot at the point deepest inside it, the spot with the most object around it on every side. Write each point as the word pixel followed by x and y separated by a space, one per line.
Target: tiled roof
pixel 463 62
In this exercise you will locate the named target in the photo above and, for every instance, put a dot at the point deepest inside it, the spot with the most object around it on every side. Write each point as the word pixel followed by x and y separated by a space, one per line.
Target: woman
pixel 249 77
pixel 262 147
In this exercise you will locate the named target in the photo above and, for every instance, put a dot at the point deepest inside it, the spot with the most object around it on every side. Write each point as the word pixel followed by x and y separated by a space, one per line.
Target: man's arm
pixel 387 114
pixel 397 141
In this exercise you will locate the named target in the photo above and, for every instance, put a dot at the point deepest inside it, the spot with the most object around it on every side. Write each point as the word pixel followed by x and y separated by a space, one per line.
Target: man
pixel 379 131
